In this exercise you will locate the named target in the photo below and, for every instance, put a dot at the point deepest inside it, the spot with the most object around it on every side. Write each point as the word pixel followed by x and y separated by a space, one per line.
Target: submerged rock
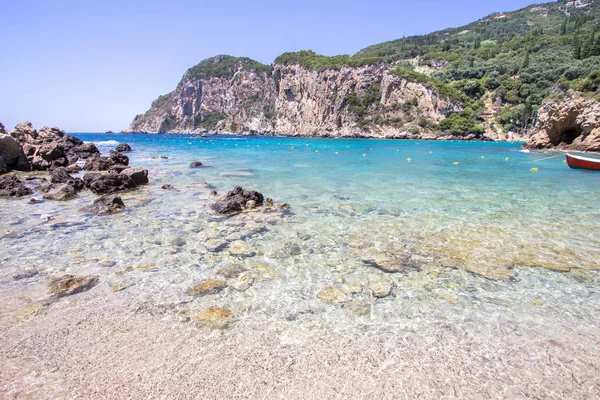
pixel 108 183
pixel 123 148
pixel 105 205
pixel 61 175
pixel 11 186
pixel 359 307
pixel 68 285
pixel 381 288
pixel 119 158
pixel 231 271
pixel 386 265
pixel 240 248
pixel 206 287
pixel 195 164
pixel 236 201
pixel 332 295
pixel 215 317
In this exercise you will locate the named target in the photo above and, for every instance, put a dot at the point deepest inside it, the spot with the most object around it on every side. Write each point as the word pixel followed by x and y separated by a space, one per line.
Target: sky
pixel 91 66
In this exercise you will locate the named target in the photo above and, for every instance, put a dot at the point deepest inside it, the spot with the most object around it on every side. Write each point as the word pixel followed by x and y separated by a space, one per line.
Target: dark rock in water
pixel 119 158
pixel 33 200
pixel 68 285
pixel 3 167
pixel 195 164
pixel 50 155
pixel 236 201
pixel 29 273
pixel 60 191
pixel 60 175
pixel 23 163
pixel 117 169
pixel 123 148
pixel 138 175
pixel 159 157
pixel 109 183
pixel 167 187
pixel 83 151
pixel 73 168
pixel 98 163
pixel 11 186
pixel 105 205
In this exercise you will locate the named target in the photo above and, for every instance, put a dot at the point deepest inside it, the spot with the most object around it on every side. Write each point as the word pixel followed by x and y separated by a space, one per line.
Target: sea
pixel 382 238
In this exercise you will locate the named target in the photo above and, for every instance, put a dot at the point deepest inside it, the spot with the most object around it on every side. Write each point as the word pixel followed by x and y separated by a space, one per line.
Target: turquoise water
pixel 484 240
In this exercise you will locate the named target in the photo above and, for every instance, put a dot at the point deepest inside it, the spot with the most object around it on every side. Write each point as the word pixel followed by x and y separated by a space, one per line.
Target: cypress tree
pixel 526 61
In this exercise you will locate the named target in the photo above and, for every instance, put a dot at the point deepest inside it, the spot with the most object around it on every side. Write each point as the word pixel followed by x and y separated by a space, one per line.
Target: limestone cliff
pixel 570 122
pixel 239 95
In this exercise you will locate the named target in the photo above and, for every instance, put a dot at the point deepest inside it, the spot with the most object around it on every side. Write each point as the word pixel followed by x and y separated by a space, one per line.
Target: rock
pixel 239 248
pixel 359 307
pixel 231 271
pixel 167 187
pixel 118 168
pixel 291 249
pixel 215 317
pixel 9 150
pixel 11 186
pixel 570 122
pixel 123 148
pixel 332 295
pixel 138 175
pixel 83 151
pixel 196 164
pixel 108 183
pixel 61 191
pixel 23 163
pixel 215 245
pixel 28 273
pixel 60 175
pixel 47 134
pixel 98 163
pixel 24 133
pixel 243 282
pixel 236 200
pixel 3 167
pixel 119 158
pixel 105 205
pixel 386 265
pixel 206 287
pixel 2 128
pixel 49 155
pixel 68 285
pixel 381 288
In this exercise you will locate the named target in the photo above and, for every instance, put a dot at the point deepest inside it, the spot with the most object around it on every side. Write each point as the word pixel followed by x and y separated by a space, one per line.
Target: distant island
pixel 529 74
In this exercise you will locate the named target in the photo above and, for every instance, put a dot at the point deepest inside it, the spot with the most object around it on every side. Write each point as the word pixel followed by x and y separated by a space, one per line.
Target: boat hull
pixel 579 162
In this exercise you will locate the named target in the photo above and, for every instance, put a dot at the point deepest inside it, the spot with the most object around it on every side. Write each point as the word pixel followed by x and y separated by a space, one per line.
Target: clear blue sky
pixel 91 66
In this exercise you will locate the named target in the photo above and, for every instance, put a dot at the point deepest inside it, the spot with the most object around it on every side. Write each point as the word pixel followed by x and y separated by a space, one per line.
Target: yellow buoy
pixel 337 152
pixel 408 159
pixel 534 169
pixel 292 147
pixel 456 162
pixel 364 155
pixel 506 158
pixel 482 156
pixel 316 151
pixel 564 160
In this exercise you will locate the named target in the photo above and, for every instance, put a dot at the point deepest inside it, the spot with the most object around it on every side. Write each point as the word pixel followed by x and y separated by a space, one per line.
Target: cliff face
pixel 366 101
pixel 569 123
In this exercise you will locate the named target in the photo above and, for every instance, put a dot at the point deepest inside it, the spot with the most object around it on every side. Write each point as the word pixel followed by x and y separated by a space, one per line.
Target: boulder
pixel 47 134
pixel 105 205
pixel 2 129
pixel 3 166
pixel 195 164
pixel 23 163
pixel 84 151
pixel 25 133
pixel 9 149
pixel 60 191
pixel 108 183
pixel 236 201
pixel 60 175
pixel 49 155
pixel 138 175
pixel 119 158
pixel 11 186
pixel 117 169
pixel 68 285
pixel 98 163
pixel 123 148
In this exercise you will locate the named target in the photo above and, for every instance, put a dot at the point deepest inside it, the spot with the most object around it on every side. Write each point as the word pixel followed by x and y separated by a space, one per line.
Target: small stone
pixel 389 266
pixel 215 245
pixel 215 317
pixel 67 285
pixel 118 288
pixel 105 205
pixel 291 249
pixel 167 187
pixel 195 164
pixel 32 310
pixel 266 272
pixel 231 271
pixel 206 287
pixel 29 273
pixel 332 295
pixel 250 204
pixel 243 282
pixel 34 200
pixel 381 288
pixel 183 315
pixel 177 242
pixel 239 248
pixel 359 307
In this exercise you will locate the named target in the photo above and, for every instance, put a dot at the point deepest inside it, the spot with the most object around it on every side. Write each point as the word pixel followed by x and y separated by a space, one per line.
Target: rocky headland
pixel 226 94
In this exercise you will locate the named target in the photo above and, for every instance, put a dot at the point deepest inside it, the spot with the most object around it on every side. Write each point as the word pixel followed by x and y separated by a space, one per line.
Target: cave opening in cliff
pixel 571 133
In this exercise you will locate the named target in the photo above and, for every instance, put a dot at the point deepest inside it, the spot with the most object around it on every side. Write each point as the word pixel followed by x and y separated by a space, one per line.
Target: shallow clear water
pixel 483 238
